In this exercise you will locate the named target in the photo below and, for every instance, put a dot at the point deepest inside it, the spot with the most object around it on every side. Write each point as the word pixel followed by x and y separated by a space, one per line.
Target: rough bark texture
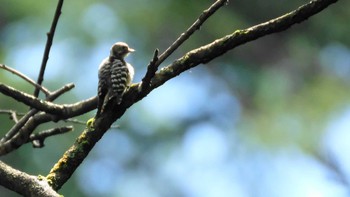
pixel 25 184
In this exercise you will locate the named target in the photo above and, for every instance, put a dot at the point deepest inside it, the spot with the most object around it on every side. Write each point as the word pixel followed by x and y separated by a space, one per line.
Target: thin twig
pixel 60 91
pixel 15 128
pixel 331 161
pixel 32 101
pixel 50 36
pixel 157 60
pixel 195 26
pixel 39 138
pixel 21 75
pixel 13 114
pixel 75 121
pixel 22 133
pixel 80 122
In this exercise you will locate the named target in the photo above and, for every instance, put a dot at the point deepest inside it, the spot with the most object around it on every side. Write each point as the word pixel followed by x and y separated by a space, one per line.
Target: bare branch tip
pixel 39 138
pixel 48 45
pixel 26 78
pixel 155 57
pixel 156 53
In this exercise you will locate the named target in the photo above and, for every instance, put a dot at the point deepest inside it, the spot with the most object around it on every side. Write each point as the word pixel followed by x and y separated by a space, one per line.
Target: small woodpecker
pixel 114 76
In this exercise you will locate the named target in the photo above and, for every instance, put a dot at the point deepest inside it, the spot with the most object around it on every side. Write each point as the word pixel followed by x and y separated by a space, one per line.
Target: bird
pixel 114 76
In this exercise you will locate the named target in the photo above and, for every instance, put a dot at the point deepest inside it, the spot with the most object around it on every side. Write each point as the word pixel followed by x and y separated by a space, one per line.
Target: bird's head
pixel 120 50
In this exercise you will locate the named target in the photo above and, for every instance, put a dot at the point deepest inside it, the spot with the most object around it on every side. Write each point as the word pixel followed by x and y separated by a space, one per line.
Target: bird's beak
pixel 131 50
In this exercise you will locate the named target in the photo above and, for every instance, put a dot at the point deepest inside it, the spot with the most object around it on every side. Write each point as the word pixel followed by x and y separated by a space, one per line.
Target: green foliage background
pixel 269 101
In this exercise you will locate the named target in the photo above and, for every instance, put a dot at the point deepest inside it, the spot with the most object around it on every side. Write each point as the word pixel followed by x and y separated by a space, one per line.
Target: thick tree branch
pixel 50 36
pixel 25 184
pixel 157 60
pixel 73 157
pixel 220 46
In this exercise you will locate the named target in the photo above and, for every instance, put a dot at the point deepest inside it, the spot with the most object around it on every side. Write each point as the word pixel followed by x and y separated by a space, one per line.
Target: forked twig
pixel 157 60
pixel 13 131
pixel 39 138
pixel 13 114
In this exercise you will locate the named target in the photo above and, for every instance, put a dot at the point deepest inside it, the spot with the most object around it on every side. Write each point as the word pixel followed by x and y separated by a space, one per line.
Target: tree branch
pixel 20 132
pixel 23 183
pixel 50 36
pixel 34 102
pixel 195 26
pixel 73 157
pixel 21 75
pixel 19 124
pixel 220 46
pixel 151 71
pixel 157 60
pixel 38 139
pixel 13 114
pixel 80 122
pixel 21 136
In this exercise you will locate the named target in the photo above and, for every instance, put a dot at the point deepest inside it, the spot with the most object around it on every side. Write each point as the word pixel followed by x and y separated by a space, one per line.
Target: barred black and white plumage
pixel 115 75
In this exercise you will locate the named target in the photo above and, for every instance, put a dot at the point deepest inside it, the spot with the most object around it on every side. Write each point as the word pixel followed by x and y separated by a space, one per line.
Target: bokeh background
pixel 270 118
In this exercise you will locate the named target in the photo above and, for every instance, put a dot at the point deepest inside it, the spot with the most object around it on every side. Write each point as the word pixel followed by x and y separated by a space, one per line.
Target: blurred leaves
pixel 257 105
